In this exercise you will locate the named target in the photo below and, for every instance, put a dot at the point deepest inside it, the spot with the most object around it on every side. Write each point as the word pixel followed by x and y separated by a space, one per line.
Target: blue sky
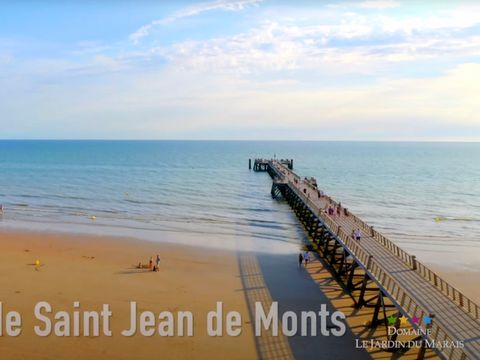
pixel 241 69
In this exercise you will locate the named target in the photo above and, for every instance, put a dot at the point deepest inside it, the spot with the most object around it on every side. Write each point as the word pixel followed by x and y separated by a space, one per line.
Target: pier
pixel 378 273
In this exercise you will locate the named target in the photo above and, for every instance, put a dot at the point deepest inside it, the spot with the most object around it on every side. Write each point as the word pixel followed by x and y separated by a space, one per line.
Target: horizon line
pixel 243 140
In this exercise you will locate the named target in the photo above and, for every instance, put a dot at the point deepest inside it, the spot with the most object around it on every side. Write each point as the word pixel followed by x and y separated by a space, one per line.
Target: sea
pixel 423 196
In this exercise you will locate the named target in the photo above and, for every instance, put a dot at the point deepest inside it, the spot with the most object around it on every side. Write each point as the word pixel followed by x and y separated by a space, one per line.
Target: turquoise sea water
pixel 425 196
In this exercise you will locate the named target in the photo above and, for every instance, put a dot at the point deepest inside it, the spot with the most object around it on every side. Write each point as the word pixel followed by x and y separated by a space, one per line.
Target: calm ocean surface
pixel 425 196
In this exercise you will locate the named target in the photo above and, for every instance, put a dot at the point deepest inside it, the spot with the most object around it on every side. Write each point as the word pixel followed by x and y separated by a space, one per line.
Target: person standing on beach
pixel 300 259
pixel 157 263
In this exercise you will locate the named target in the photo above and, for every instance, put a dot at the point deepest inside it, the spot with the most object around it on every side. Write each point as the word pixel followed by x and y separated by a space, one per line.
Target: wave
pixel 446 218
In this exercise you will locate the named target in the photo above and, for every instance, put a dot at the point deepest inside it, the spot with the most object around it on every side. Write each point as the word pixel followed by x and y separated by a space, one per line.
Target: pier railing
pixel 368 229
pixel 411 308
pixel 451 292
pixel 454 294
pixel 458 297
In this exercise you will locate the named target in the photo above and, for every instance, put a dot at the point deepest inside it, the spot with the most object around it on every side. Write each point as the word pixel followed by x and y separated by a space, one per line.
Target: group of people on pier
pixel 331 208
pixel 303 258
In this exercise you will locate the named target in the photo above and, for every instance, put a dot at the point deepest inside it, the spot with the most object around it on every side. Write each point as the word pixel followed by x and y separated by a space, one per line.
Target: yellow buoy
pixel 37 262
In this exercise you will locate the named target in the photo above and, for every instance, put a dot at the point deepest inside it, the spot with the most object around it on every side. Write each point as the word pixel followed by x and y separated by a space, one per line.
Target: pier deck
pixel 417 292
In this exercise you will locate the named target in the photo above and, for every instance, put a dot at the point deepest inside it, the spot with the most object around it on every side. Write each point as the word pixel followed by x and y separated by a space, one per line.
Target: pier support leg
pixel 379 305
pixel 361 298
pixel 350 276
pixel 395 335
pixel 421 352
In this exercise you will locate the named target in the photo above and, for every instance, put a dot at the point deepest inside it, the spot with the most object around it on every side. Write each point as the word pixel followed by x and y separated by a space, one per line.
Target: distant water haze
pixel 424 196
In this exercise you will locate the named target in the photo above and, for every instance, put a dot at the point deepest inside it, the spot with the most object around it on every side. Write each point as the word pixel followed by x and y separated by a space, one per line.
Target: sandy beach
pixel 101 270
pixel 98 270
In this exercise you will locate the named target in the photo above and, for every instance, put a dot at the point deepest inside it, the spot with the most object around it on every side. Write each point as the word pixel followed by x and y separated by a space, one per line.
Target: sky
pixel 368 70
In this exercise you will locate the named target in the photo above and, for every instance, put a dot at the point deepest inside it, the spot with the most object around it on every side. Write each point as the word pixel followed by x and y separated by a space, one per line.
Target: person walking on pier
pixel 306 258
pixel 331 212
pixel 300 259
pixel 358 234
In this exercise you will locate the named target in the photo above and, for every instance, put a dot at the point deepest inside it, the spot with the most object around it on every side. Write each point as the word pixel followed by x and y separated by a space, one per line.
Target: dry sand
pixel 98 270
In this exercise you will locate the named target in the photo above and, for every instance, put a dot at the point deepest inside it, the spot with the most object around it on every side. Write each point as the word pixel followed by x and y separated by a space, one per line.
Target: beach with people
pixel 62 268
pixel 96 270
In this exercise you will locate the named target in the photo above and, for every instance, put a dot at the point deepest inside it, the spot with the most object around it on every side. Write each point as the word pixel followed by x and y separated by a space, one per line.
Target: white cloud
pixel 204 87
pixel 342 41
pixel 174 104
pixel 379 4
pixel 225 5
pixel 462 17
pixel 275 47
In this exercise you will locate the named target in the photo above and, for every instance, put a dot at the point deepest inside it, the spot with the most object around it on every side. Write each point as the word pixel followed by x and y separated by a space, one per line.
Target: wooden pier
pixel 264 164
pixel 377 272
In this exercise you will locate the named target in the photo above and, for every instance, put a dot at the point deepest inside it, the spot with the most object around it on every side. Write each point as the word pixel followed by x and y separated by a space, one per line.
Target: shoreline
pixel 189 236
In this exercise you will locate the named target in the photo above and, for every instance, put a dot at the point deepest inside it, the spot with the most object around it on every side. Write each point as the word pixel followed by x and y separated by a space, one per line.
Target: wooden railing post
pixel 369 262
pixel 414 262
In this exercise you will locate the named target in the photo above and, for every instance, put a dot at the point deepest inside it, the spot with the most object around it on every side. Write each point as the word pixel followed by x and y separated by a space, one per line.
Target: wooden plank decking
pixel 418 291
